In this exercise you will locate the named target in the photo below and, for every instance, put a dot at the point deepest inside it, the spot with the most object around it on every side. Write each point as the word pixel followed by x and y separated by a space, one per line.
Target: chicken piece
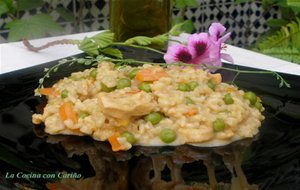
pixel 124 105
pixel 196 135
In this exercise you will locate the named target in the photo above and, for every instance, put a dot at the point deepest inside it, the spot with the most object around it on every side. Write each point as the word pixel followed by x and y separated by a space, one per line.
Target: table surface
pixel 14 56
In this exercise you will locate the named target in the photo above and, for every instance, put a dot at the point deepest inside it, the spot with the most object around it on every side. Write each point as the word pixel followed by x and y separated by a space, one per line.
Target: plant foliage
pixel 185 3
pixel 158 40
pixel 92 45
pixel 29 5
pixel 288 35
pixel 7 6
pixel 284 44
pixel 283 38
pixel 36 26
pixel 289 53
pixel 182 5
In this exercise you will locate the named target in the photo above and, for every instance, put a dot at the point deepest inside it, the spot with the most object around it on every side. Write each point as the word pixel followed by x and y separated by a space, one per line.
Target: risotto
pixel 150 106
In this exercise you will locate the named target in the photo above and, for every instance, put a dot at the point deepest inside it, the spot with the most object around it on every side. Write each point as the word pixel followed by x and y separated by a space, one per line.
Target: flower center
pixel 218 34
pixel 200 48
pixel 184 56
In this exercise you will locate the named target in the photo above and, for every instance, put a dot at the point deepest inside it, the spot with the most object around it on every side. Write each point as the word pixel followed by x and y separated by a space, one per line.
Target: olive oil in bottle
pixel 129 18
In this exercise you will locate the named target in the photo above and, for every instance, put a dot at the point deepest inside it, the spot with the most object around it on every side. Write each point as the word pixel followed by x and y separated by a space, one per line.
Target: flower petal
pixel 227 57
pixel 216 30
pixel 198 45
pixel 225 37
pixel 177 53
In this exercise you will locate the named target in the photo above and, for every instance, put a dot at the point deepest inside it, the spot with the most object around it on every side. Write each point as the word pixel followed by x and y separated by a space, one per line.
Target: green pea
pixel 167 135
pixel 219 124
pixel 251 96
pixel 258 105
pixel 93 73
pixel 123 83
pixel 145 87
pixel 133 73
pixel 183 87
pixel 64 93
pixel 154 117
pixel 117 66
pixel 83 115
pixel 104 88
pixel 228 99
pixel 211 85
pixel 77 78
pixel 192 85
pixel 120 67
pixel 189 100
pixel 129 137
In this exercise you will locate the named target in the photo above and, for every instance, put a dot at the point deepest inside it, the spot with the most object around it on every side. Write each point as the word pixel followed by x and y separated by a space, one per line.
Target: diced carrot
pixel 66 111
pixel 115 144
pixel 49 91
pixel 149 75
pixel 161 74
pixel 46 91
pixel 191 112
pixel 216 78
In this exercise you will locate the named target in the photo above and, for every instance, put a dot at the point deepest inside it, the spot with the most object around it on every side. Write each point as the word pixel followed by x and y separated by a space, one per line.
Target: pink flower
pixel 216 30
pixel 199 46
pixel 202 48
pixel 178 53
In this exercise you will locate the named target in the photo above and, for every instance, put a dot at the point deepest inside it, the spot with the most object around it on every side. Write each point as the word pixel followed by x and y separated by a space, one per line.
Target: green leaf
pixel 243 1
pixel 66 14
pixel 89 46
pixel 268 3
pixel 177 20
pixel 113 52
pixel 104 39
pixel 140 40
pixel 288 35
pixel 180 4
pixel 158 40
pixel 188 26
pixel 295 9
pixel 288 53
pixel 277 22
pixel 191 3
pixel 7 6
pixel 37 26
pixel 30 4
pixel 176 30
pixel 295 3
pixel 3 8
pixel 92 45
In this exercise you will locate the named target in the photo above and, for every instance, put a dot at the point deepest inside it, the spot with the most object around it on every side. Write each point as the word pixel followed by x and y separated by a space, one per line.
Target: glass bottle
pixel 129 18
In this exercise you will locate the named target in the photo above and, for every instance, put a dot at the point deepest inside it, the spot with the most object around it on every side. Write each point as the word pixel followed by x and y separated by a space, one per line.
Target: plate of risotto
pixel 148 126
pixel 150 106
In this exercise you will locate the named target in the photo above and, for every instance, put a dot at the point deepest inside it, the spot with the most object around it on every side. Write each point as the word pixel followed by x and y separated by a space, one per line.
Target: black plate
pixel 272 161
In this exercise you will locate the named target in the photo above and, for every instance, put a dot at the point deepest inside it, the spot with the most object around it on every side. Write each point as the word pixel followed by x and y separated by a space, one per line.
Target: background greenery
pixel 282 40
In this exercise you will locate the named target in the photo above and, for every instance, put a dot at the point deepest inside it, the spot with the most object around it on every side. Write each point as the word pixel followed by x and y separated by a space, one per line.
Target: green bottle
pixel 129 18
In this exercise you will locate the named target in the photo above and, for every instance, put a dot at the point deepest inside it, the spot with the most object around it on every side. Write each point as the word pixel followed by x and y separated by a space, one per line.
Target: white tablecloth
pixel 14 56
